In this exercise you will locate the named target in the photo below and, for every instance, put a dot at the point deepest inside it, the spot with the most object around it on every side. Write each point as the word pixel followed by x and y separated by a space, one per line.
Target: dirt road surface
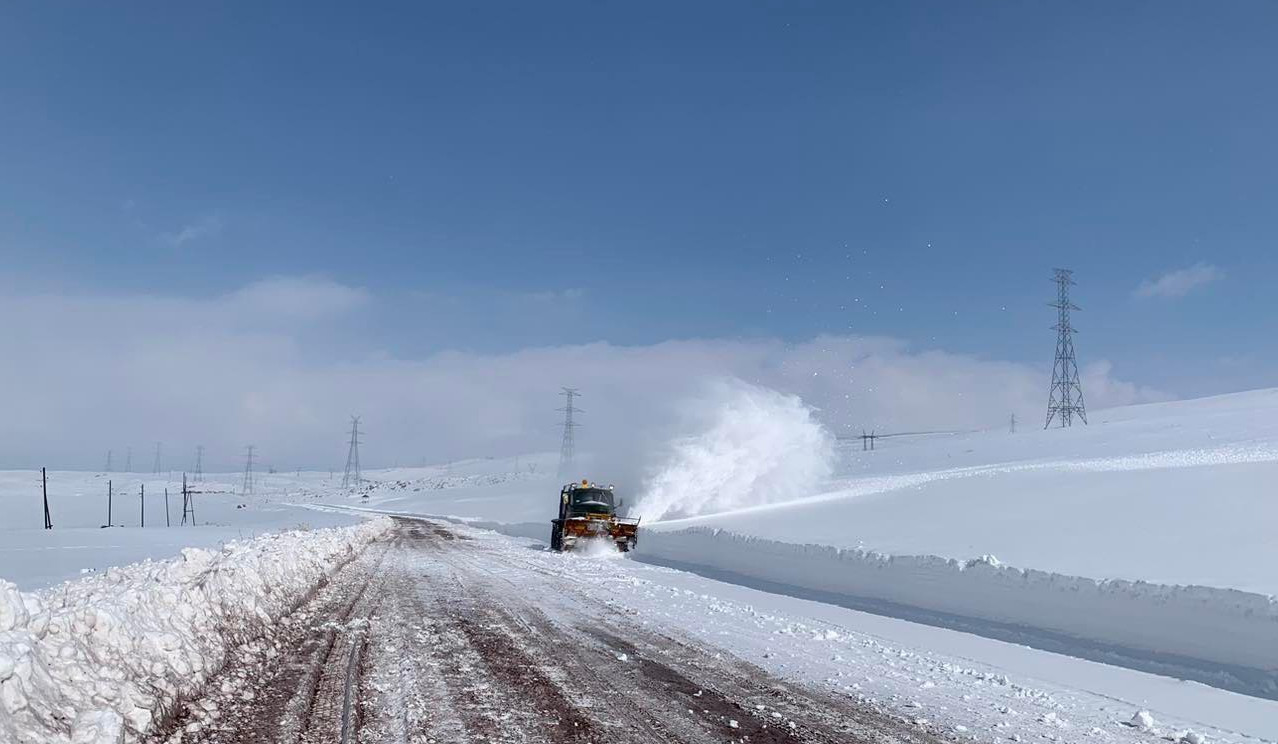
pixel 434 635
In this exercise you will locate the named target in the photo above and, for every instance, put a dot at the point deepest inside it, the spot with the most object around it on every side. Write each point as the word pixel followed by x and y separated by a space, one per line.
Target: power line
pixel 872 435
pixel 248 472
pixel 1065 400
pixel 352 456
pixel 568 449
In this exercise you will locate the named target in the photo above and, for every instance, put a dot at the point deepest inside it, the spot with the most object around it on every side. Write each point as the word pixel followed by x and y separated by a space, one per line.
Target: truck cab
pixel 589 511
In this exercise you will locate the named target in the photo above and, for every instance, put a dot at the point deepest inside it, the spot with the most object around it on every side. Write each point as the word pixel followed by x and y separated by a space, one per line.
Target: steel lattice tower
pixel 1065 400
pixel 248 472
pixel 569 447
pixel 352 456
pixel 158 461
pixel 199 462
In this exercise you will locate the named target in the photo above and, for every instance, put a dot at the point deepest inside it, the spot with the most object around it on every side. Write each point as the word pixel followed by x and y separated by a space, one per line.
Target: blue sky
pixel 510 175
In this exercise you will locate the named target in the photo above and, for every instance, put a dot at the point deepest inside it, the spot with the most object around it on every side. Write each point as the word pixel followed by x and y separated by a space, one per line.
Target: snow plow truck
pixel 589 512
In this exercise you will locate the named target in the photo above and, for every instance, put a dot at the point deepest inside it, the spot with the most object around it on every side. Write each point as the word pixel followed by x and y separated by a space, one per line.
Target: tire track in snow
pixel 467 644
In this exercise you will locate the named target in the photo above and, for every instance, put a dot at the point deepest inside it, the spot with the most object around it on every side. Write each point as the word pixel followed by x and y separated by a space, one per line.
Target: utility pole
pixel 158 469
pixel 108 467
pixel 1012 428
pixel 109 495
pixel 199 463
pixel 868 439
pixel 352 457
pixel 142 501
pixel 568 449
pixel 167 523
pixel 248 472
pixel 1065 400
pixel 128 460
pixel 44 488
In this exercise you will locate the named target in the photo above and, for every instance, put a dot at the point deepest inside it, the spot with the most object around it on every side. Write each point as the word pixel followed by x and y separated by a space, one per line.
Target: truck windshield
pixel 592 497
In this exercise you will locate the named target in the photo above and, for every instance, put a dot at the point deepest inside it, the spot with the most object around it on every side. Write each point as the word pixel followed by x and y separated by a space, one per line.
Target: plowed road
pixel 444 634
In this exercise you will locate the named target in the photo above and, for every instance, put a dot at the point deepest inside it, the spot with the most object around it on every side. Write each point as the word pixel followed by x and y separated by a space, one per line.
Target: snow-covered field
pixel 1170 493
pixel 33 557
pixel 1144 539
pixel 1173 493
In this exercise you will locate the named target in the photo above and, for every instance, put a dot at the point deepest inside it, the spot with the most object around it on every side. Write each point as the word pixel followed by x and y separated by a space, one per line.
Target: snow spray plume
pixel 757 446
pixel 596 549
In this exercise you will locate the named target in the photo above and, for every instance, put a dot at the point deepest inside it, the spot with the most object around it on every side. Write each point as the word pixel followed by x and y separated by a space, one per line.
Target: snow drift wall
pixel 95 661
pixel 1224 637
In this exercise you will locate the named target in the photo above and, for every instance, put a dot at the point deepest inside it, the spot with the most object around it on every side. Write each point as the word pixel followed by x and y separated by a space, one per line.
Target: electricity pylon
pixel 1065 400
pixel 248 472
pixel 352 457
pixel 568 449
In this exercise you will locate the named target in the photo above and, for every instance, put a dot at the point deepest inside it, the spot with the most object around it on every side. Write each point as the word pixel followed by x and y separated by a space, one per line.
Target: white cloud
pixel 1099 384
pixel 201 228
pixel 1175 284
pixel 96 372
pixel 304 298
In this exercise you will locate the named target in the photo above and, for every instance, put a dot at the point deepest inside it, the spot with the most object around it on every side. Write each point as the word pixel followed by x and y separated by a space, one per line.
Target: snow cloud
pixel 1176 284
pixel 283 362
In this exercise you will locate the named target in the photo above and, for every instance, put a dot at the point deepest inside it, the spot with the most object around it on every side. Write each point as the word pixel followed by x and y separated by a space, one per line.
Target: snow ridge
pixel 1224 637
pixel 98 660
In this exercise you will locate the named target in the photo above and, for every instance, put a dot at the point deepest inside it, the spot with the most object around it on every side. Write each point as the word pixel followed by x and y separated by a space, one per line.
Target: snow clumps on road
pixel 97 661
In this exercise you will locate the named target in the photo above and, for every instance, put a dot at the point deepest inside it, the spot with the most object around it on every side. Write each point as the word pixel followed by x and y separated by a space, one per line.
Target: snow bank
pixel 755 446
pixel 1225 637
pixel 96 661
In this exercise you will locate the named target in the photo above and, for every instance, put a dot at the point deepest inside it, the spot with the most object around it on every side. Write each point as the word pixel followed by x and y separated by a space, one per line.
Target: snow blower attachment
pixel 586 512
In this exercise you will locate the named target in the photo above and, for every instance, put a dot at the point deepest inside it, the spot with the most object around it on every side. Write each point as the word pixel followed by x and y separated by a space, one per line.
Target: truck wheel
pixel 557 538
